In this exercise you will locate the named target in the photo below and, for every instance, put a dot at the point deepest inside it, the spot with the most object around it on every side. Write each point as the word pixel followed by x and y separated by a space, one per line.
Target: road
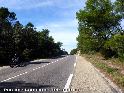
pixel 46 75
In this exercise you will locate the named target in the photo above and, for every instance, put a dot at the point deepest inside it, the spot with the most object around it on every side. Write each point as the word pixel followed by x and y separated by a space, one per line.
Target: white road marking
pixel 76 58
pixel 68 83
pixel 74 64
pixel 25 73
pixel 17 75
pixel 66 86
pixel 14 77
pixel 36 68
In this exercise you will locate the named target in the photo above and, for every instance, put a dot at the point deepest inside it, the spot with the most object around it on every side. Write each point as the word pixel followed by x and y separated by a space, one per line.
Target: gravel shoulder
pixel 87 79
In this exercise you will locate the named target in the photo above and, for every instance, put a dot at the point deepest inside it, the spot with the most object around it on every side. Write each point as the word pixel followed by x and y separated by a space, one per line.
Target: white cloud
pixel 31 4
pixel 60 25
pixel 65 4
pixel 67 38
pixel 65 32
pixel 63 28
pixel 25 4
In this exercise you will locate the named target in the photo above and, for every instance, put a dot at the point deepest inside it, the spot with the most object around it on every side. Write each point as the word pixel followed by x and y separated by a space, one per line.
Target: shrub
pixel 74 51
pixel 116 44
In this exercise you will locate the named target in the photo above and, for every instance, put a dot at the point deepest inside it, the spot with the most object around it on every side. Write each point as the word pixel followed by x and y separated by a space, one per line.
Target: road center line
pixel 33 70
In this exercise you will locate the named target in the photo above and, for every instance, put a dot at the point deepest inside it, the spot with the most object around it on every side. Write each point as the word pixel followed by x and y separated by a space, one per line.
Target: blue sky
pixel 59 16
pixel 56 15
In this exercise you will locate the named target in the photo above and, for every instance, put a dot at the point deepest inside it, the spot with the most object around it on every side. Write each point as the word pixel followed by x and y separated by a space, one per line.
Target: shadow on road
pixel 37 62
pixel 22 85
pixel 58 57
pixel 24 64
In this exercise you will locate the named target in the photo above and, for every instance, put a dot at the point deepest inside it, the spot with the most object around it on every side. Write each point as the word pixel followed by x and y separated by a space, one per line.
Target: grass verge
pixel 112 72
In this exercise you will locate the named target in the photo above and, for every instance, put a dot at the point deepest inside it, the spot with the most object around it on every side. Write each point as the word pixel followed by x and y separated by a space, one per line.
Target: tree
pixel 29 41
pixel 86 42
pixel 7 20
pixel 97 23
pixel 119 7
pixel 17 36
pixel 47 47
pixel 73 51
pixel 116 44
pixel 24 41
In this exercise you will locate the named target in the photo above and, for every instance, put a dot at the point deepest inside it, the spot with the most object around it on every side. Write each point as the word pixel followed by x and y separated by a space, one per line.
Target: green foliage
pixel 26 54
pixel 86 43
pixel 99 25
pixel 46 45
pixel 6 41
pixel 119 7
pixel 108 53
pixel 116 43
pixel 73 51
pixel 24 41
pixel 106 68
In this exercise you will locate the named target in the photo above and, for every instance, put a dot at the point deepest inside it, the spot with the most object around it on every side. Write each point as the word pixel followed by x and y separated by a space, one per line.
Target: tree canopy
pixel 99 21
pixel 25 41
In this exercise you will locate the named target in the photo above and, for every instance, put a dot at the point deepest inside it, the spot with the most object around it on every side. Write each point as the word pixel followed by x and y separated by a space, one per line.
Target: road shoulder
pixel 87 79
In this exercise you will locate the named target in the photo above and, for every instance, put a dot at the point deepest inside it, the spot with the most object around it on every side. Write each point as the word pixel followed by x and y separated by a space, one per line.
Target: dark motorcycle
pixel 16 61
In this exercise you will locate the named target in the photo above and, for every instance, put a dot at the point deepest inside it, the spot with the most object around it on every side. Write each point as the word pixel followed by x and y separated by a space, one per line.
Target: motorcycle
pixel 15 61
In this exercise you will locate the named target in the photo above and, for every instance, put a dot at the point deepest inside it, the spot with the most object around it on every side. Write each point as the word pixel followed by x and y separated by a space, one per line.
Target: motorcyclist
pixel 15 61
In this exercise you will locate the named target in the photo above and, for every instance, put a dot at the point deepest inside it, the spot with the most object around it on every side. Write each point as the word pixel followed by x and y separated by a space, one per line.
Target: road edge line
pixel 68 83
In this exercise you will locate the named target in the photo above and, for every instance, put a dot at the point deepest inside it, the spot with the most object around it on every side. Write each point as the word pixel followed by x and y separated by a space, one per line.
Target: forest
pixel 24 40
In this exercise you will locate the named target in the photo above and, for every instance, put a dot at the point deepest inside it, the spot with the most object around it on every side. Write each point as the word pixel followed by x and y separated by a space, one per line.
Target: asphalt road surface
pixel 45 75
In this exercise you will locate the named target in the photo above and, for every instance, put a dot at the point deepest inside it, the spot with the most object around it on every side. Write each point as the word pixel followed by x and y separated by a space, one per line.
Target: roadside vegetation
pixel 100 28
pixel 73 51
pixel 101 36
pixel 112 68
pixel 24 40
